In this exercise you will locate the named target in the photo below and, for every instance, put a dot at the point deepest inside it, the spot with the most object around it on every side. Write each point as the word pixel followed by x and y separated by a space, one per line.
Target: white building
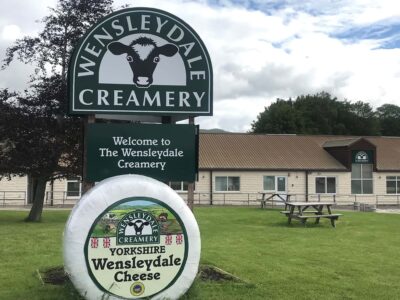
pixel 235 167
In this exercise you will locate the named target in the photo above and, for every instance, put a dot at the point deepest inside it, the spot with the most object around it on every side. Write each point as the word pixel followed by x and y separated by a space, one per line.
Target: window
pixel 227 183
pixel 281 184
pixel 325 185
pixel 393 184
pixel 274 183
pixel 269 183
pixel 179 185
pixel 74 187
pixel 361 179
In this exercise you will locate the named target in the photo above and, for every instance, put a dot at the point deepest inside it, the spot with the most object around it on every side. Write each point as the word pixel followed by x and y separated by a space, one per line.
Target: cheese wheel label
pixel 136 248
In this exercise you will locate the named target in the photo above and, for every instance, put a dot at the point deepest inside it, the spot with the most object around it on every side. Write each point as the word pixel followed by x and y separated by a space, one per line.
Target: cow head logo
pixel 138 227
pixel 361 157
pixel 143 55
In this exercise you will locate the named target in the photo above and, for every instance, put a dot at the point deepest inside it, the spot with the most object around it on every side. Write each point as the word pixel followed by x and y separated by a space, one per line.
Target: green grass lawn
pixel 357 260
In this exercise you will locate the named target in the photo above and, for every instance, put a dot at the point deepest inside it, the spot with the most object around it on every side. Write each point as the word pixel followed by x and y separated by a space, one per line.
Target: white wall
pixel 13 192
pixel 251 183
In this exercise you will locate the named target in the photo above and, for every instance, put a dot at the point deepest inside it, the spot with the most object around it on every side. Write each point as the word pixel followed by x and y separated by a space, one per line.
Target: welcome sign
pixel 141 61
pixel 167 152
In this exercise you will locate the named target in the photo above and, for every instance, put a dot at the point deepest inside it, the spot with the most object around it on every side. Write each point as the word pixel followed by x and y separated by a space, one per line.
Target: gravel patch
pixel 388 211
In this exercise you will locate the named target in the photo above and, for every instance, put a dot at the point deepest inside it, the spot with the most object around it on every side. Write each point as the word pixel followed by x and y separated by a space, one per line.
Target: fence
pixel 13 198
pixel 61 198
pixel 253 199
pixel 67 199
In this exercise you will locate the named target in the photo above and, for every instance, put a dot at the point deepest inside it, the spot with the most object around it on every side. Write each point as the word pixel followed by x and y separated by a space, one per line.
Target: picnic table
pixel 307 210
pixel 280 198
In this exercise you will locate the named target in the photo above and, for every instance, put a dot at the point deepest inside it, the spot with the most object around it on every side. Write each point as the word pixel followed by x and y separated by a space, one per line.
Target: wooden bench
pixel 332 217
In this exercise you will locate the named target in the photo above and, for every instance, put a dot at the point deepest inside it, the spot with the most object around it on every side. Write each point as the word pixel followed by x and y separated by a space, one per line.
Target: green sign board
pixel 362 157
pixel 166 152
pixel 141 61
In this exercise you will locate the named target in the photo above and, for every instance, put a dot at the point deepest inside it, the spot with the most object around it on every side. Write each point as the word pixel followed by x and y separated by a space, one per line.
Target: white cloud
pixel 283 49
pixel 11 32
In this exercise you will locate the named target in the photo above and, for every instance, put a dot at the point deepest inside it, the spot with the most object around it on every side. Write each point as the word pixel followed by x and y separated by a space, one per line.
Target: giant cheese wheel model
pixel 131 237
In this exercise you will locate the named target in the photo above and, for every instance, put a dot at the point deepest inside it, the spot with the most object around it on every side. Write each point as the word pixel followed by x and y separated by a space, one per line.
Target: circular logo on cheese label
pixel 137 289
pixel 136 248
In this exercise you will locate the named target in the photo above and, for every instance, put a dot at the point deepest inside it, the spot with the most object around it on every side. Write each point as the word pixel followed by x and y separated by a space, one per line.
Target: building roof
pixel 388 152
pixel 238 151
pixel 340 143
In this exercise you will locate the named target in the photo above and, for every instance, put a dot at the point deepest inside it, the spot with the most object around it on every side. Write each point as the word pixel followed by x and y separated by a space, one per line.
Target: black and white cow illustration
pixel 362 155
pixel 138 226
pixel 143 55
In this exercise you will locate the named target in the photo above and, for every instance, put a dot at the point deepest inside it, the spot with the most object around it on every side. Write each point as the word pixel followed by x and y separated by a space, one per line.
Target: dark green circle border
pixel 76 51
pixel 118 203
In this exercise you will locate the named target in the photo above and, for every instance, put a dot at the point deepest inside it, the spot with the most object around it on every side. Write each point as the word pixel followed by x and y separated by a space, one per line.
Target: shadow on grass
pixel 295 224
pixel 18 217
pixel 212 281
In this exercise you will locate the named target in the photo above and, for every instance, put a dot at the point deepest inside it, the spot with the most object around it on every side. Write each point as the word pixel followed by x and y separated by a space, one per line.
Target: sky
pixel 262 50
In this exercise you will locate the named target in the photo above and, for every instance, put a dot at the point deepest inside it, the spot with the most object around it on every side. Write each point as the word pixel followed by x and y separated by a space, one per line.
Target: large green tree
pixel 37 136
pixel 279 117
pixel 307 114
pixel 317 114
pixel 364 120
pixel 389 118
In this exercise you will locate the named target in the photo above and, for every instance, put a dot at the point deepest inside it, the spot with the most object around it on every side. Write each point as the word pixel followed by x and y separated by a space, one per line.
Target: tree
pixel 279 117
pixel 389 118
pixel 364 120
pixel 318 114
pixel 308 114
pixel 37 136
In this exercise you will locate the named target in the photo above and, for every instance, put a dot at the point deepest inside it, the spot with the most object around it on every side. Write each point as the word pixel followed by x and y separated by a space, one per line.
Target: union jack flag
pixel 168 239
pixel 106 242
pixel 94 242
pixel 179 239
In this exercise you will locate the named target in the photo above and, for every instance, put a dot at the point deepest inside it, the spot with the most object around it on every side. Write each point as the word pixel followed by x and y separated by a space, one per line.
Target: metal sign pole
pixel 85 184
pixel 190 196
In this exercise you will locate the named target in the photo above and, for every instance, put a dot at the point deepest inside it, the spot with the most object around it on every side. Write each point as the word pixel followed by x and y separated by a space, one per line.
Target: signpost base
pixel 190 199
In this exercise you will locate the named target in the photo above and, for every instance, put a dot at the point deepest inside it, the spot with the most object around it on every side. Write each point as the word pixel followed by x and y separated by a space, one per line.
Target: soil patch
pixel 54 275
pixel 212 273
pixel 57 275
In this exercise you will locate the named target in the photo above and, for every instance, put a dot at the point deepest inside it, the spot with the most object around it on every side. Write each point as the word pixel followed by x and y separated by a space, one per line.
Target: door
pixel 281 186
